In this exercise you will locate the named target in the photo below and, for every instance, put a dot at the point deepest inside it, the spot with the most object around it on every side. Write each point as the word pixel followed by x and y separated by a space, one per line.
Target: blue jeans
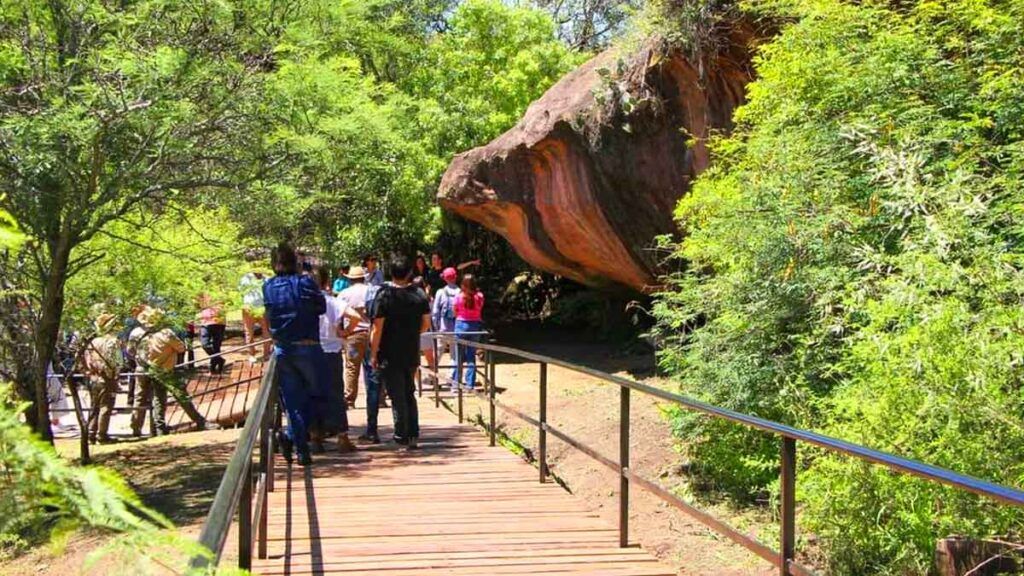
pixel 372 381
pixel 466 354
pixel 301 373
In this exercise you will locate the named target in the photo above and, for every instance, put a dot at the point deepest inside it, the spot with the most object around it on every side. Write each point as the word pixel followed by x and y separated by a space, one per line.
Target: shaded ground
pixel 588 410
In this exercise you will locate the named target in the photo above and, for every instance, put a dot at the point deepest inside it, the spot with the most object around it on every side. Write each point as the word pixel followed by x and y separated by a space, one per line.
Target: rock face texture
pixel 589 177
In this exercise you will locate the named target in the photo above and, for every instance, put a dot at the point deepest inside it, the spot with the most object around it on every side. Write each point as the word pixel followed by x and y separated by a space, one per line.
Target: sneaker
pixel 400 440
pixel 345 445
pixel 412 444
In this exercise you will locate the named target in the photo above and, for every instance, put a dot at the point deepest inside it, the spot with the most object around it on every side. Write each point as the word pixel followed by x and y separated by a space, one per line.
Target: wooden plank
pixel 455 507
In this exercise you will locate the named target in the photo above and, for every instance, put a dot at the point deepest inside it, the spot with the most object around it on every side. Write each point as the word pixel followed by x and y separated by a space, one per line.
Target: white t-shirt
pixel 355 297
pixel 329 321
pixel 251 288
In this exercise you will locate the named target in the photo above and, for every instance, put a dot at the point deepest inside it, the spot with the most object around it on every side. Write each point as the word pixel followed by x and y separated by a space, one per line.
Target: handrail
pixel 784 558
pixel 236 486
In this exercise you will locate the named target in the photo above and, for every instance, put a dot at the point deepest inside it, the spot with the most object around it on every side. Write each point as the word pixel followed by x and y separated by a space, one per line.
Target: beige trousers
pixel 356 347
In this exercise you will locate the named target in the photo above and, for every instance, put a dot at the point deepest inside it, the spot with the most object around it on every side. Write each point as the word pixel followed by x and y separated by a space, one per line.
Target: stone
pixel 591 174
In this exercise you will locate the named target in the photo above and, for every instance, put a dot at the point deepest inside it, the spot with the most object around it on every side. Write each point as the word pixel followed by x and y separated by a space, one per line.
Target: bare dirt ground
pixel 587 410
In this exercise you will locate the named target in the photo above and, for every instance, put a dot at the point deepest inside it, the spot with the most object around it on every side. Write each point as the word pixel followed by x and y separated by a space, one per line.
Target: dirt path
pixel 587 410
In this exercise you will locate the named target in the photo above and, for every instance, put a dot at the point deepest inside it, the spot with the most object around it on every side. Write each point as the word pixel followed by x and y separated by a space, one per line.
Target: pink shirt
pixel 463 312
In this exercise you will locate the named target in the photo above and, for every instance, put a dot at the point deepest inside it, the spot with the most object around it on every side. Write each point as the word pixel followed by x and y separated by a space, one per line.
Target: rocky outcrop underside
pixel 591 174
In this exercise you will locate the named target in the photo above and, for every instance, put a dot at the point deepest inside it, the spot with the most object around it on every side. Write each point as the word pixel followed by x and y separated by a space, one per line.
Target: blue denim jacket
pixel 294 304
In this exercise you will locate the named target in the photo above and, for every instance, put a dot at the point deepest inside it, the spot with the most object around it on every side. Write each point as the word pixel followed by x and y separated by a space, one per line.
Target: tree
pixel 589 25
pixel 106 108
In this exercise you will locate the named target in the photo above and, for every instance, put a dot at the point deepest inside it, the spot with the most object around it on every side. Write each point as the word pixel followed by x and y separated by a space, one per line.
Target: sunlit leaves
pixel 855 267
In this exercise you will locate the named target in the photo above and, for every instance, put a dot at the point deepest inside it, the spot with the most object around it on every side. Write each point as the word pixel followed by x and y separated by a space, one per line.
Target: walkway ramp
pixel 455 507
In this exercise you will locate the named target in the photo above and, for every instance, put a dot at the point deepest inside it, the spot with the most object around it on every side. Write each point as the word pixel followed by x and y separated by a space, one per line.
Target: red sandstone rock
pixel 589 177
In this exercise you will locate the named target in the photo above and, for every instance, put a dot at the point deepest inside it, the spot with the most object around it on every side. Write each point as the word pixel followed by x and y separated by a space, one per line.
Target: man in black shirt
pixel 433 278
pixel 403 313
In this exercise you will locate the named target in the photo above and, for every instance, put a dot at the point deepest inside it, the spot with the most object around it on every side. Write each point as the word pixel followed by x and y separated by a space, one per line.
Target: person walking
pixel 211 332
pixel 442 311
pixel 335 422
pixel 158 348
pixel 294 304
pixel 402 314
pixel 357 339
pixel 103 362
pixel 253 313
pixel 341 282
pixel 374 277
pixel 469 307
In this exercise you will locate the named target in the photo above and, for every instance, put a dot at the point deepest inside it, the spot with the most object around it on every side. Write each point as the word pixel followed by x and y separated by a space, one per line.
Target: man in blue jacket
pixel 294 304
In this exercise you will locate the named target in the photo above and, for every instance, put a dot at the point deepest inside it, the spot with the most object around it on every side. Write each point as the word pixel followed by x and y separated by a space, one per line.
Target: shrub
pixel 855 267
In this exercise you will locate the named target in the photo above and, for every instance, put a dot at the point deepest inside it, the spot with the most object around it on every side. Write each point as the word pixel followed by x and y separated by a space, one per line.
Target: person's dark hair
pixel 323 277
pixel 417 268
pixel 469 290
pixel 400 268
pixel 367 258
pixel 283 259
pixel 345 268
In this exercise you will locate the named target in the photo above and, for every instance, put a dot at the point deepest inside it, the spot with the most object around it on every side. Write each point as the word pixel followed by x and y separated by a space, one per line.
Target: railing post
pixel 787 514
pixel 623 466
pixel 542 441
pixel 491 394
pixel 267 470
pixel 458 377
pixel 245 521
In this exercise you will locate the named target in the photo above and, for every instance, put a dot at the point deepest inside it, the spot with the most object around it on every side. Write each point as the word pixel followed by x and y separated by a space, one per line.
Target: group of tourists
pixel 148 350
pixel 327 334
pixel 327 331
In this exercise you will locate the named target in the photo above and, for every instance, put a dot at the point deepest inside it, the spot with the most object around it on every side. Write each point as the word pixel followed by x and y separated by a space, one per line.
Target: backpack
pixel 447 305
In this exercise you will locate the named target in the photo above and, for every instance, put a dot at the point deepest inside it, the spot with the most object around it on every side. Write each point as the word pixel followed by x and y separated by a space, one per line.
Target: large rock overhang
pixel 583 184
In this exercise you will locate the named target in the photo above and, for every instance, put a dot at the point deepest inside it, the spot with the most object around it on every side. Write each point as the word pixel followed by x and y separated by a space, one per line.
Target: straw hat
pixel 356 273
pixel 105 323
pixel 150 317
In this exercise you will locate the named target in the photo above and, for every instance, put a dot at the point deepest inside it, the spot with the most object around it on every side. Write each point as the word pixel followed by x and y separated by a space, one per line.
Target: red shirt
pixel 463 312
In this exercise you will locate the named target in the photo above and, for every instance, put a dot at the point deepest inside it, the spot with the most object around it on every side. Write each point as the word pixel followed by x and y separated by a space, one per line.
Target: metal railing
pixel 177 367
pixel 784 558
pixel 457 364
pixel 243 479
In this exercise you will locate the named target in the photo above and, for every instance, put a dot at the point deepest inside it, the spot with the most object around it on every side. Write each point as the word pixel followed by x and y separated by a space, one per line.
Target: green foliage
pixel 167 261
pixel 855 267
pixel 10 236
pixel 41 494
pixel 370 101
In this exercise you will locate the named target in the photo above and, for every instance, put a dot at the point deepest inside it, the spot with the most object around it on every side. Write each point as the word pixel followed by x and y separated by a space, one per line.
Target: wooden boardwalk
pixel 456 506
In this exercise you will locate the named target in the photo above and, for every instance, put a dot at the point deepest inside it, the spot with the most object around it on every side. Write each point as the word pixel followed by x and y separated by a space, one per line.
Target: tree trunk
pixel 48 329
